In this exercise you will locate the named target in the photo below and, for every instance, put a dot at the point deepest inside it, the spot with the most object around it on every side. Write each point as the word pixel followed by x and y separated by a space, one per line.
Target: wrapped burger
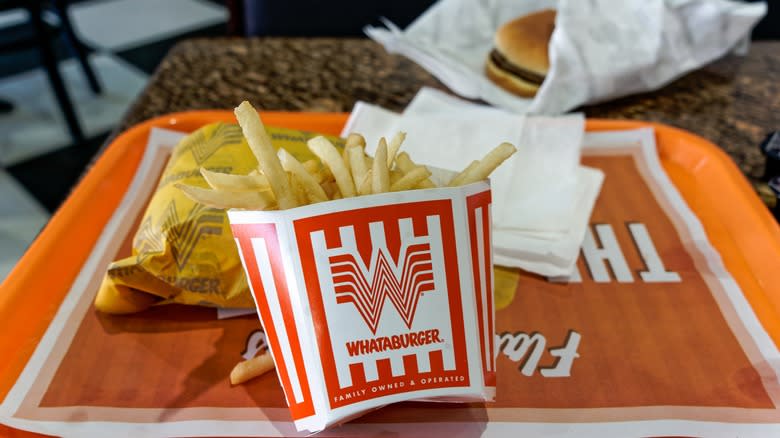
pixel 183 251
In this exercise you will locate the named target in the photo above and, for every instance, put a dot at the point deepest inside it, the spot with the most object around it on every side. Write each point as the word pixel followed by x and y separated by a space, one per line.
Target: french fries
pixel 457 180
pixel 358 165
pixel 251 368
pixel 281 181
pixel 264 151
pixel 353 140
pixel 231 182
pixel 309 185
pixel 320 173
pixel 406 165
pixel 329 155
pixel 411 179
pixel 395 145
pixel 365 185
pixel 487 165
pixel 380 179
pixel 225 200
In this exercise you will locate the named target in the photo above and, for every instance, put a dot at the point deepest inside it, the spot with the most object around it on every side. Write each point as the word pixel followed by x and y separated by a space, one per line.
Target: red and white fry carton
pixel 374 300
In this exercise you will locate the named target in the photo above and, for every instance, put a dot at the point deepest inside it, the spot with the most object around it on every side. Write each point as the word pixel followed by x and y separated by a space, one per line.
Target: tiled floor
pixel 38 163
pixel 123 24
pixel 36 126
pixel 21 217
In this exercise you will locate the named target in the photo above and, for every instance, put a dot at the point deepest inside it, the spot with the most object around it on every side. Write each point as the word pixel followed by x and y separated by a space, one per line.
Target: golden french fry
pixel 489 163
pixel 345 154
pixel 226 200
pixel 281 181
pixel 411 179
pixel 458 179
pixel 320 173
pixel 264 151
pixel 308 184
pixel 357 164
pixel 352 141
pixel 425 184
pixel 365 185
pixel 380 181
pixel 312 166
pixel 395 145
pixel 320 177
pixel 330 188
pixel 395 175
pixel 297 187
pixel 326 175
pixel 406 165
pixel 249 369
pixel 355 139
pixel 234 183
pixel 329 155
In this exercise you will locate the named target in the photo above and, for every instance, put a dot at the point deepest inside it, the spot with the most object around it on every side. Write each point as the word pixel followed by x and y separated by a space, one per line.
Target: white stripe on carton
pixel 269 285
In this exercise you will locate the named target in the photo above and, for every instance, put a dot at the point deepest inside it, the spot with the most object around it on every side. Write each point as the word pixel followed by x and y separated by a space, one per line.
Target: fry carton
pixel 374 300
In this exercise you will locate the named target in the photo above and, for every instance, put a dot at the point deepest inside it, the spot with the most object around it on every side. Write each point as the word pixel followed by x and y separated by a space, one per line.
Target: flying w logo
pixel 367 287
pixel 182 234
pixel 350 281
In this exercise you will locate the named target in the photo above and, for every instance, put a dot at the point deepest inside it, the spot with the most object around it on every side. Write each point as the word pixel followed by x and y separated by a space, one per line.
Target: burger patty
pixel 507 66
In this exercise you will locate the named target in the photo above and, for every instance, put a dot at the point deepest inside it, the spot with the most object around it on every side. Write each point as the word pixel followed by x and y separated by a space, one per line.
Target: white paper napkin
pixel 542 196
pixel 599 50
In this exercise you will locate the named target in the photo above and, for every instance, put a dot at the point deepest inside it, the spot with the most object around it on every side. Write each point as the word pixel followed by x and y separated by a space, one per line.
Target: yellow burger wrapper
pixel 183 251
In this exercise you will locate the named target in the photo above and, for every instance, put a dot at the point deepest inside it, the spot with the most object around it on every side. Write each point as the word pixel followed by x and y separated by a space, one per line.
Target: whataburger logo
pixel 372 274
pixel 368 287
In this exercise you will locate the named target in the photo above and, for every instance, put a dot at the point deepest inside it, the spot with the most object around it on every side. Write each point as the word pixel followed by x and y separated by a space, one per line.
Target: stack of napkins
pixel 542 196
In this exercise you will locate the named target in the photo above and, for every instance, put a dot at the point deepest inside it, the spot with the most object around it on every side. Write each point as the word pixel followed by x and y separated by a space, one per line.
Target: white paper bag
pixel 600 49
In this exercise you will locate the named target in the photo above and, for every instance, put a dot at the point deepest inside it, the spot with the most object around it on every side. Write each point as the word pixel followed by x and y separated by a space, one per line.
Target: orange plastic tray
pixel 735 219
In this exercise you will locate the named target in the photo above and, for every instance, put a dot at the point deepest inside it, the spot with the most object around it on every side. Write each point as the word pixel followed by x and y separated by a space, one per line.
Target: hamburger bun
pixel 519 61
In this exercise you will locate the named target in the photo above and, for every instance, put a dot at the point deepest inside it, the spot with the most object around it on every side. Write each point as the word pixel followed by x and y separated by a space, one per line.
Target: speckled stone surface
pixel 734 102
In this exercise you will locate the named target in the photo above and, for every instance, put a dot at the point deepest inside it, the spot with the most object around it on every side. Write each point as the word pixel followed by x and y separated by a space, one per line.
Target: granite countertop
pixel 734 102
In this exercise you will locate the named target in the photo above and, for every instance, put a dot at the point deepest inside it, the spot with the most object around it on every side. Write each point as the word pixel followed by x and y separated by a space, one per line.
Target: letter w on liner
pixel 367 287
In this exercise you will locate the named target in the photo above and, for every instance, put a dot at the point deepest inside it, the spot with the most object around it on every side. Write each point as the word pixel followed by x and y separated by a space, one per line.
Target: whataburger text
pixel 394 342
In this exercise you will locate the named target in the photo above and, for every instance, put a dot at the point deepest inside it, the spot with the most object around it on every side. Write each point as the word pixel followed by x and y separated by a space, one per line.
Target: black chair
pixel 43 35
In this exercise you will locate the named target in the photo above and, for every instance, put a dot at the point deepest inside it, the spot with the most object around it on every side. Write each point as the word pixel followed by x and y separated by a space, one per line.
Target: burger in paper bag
pixel 519 62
